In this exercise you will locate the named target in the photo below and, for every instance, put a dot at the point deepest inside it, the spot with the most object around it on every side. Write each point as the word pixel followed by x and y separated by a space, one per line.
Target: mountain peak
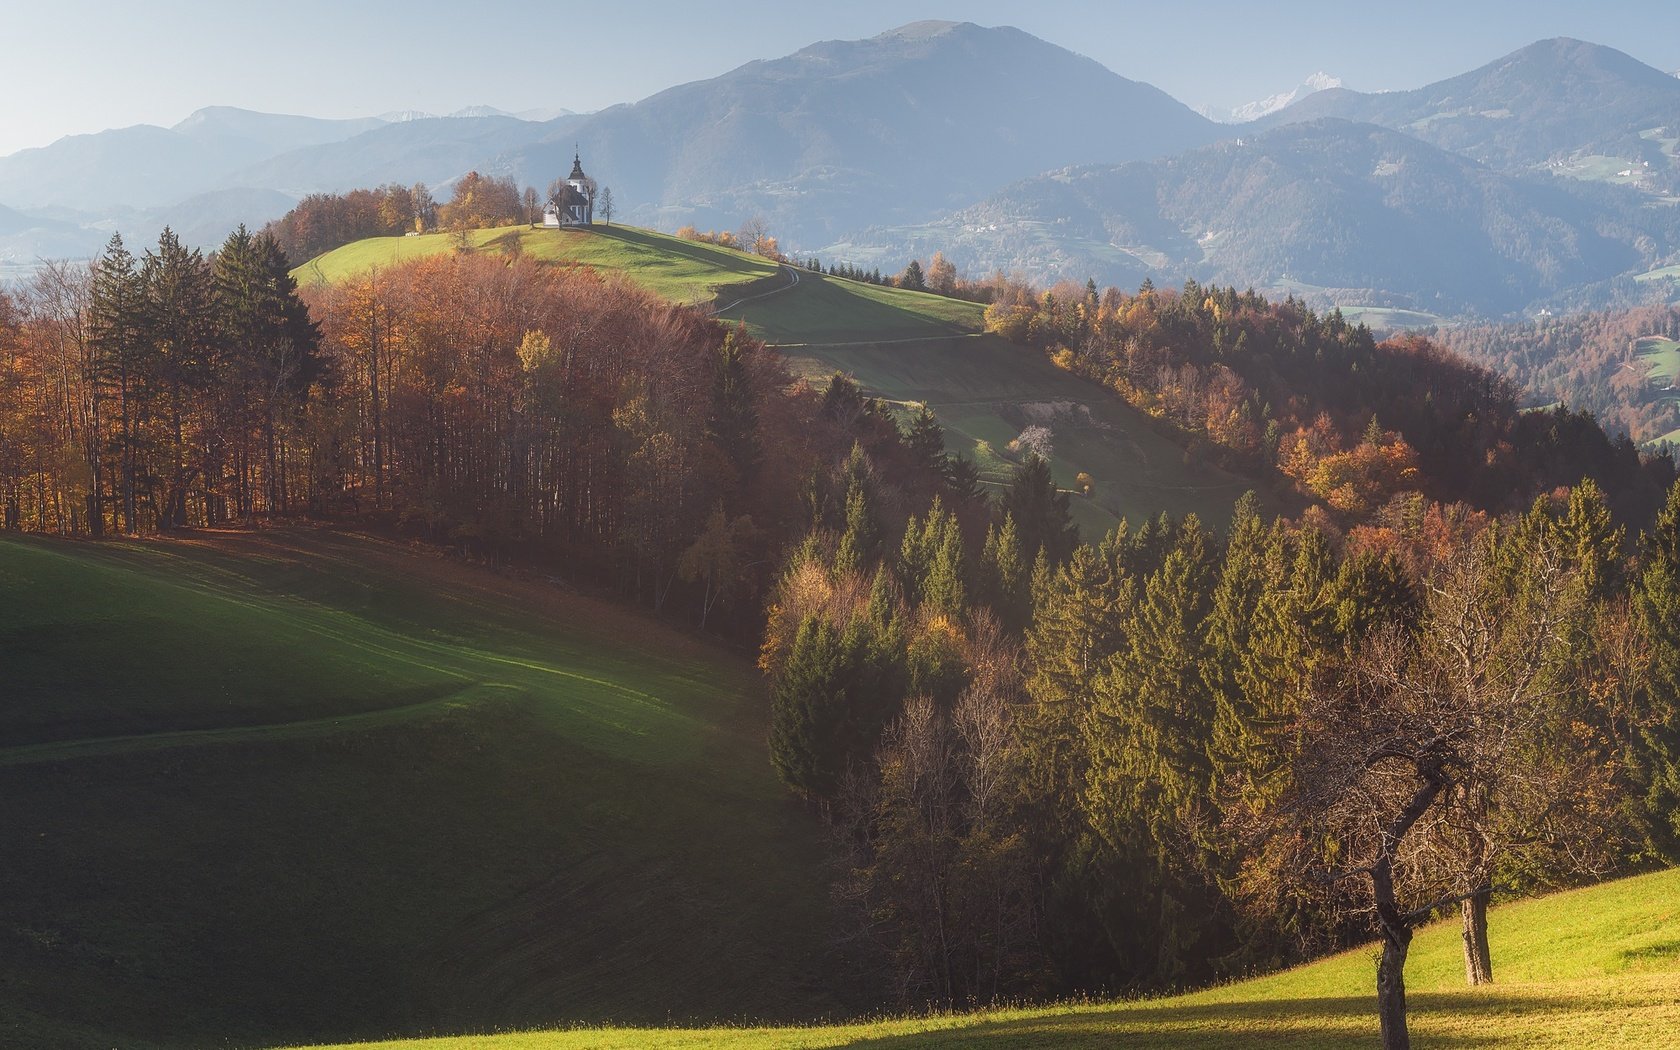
pixel 923 30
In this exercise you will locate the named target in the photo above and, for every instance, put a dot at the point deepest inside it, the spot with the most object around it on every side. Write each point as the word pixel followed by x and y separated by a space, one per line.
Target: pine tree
pixel 1654 745
pixel 733 422
pixel 117 338
pixel 1005 582
pixel 942 587
pixel 179 314
pixel 860 544
pixel 1592 540
pixel 1148 786
pixel 808 711
pixel 1040 511
pixel 925 441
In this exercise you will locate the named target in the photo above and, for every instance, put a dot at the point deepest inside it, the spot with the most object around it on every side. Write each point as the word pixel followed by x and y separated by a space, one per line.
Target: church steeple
pixel 577 165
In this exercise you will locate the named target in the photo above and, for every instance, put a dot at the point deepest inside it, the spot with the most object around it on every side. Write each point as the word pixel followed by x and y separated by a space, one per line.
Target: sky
pixel 77 66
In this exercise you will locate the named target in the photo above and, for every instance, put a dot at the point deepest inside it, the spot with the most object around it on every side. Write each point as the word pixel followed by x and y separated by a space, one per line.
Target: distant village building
pixel 573 202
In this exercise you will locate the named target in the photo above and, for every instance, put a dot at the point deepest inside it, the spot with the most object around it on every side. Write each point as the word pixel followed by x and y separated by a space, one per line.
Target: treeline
pixel 1350 421
pixel 1590 361
pixel 509 409
pixel 1174 755
pixel 324 221
pixel 146 394
pixel 941 278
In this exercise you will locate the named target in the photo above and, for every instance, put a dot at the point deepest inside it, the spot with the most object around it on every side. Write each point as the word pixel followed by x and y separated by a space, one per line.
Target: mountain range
pixel 1547 176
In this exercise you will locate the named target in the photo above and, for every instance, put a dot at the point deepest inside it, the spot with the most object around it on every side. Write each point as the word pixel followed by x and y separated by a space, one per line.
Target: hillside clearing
pixel 915 348
pixel 1593 968
pixel 302 785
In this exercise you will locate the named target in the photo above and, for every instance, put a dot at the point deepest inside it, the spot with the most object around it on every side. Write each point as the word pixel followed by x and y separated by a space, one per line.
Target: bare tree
pixel 606 205
pixel 1433 757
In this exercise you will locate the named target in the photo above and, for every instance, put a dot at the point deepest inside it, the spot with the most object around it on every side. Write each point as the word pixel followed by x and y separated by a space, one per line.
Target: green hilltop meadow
pixel 907 347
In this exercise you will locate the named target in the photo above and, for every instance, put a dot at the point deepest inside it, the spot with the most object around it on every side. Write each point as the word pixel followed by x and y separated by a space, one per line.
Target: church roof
pixel 577 167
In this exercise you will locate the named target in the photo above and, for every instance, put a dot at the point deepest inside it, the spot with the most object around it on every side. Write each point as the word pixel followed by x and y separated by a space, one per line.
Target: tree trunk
pixel 1478 964
pixel 1391 989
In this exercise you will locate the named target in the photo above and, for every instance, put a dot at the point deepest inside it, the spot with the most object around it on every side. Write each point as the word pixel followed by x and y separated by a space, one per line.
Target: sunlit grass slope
pixel 1595 968
pixel 917 348
pixel 680 270
pixel 305 786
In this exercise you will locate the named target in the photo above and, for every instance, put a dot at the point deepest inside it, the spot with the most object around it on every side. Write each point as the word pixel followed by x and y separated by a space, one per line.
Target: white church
pixel 573 203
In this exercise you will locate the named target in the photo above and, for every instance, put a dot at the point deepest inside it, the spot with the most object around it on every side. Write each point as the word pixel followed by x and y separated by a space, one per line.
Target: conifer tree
pixel 1040 511
pixel 733 422
pixel 808 711
pixel 1005 581
pixel 117 337
pixel 1654 745
pixel 942 588
pixel 179 313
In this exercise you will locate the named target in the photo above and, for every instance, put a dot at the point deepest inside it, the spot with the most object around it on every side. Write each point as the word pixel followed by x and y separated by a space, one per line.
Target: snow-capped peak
pixel 1248 111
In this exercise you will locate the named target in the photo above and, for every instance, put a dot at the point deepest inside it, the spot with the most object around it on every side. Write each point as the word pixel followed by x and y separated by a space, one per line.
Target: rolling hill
pixel 1338 212
pixel 479 802
pixel 1593 968
pixel 908 347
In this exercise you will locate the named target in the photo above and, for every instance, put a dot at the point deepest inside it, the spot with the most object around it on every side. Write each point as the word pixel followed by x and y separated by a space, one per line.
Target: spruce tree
pixel 1654 744
pixel 1040 511
pixel 808 716
pixel 732 423
pixel 1005 581
pixel 117 336
pixel 943 588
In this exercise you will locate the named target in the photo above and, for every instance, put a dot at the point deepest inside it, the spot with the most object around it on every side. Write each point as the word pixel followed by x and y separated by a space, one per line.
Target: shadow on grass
pixel 1332 1022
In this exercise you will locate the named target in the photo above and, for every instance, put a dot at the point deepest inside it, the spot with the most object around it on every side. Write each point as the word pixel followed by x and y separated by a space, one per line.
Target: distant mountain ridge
pixel 839 135
pixel 1551 106
pixel 1328 209
pixel 1004 151
pixel 846 133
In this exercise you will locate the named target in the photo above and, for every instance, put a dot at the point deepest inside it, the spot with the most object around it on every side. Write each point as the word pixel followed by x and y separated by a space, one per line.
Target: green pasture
pixel 295 786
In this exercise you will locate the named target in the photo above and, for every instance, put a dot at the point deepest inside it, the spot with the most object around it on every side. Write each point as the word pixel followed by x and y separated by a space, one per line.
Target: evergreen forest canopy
pixel 1051 763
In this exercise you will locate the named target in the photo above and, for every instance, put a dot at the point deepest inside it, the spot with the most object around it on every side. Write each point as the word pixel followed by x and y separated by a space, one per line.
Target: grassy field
pixel 680 270
pixel 1661 357
pixel 476 802
pixel 1595 968
pixel 914 348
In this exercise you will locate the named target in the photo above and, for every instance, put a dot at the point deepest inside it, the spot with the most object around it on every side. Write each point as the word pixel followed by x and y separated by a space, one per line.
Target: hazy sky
pixel 82 65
